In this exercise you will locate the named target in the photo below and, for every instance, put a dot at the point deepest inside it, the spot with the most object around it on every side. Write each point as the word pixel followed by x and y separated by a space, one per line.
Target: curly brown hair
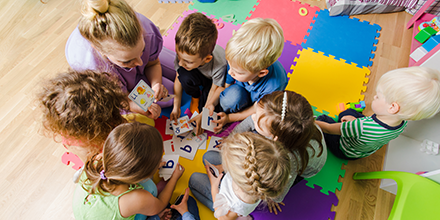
pixel 83 106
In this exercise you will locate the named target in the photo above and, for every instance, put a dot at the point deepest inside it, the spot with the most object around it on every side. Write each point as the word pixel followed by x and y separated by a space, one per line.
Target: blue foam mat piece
pixel 343 37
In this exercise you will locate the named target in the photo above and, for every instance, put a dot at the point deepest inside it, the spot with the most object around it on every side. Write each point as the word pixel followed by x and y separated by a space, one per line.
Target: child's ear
pixel 263 73
pixel 275 138
pixel 394 108
pixel 207 59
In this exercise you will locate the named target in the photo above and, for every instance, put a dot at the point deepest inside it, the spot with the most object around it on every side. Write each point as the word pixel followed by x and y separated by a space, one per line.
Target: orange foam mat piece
pixel 325 81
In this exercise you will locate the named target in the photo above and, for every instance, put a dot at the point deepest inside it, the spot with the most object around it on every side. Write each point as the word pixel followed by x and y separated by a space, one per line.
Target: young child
pixel 82 108
pixel 199 62
pixel 109 188
pixel 288 117
pixel 404 94
pixel 256 169
pixel 252 55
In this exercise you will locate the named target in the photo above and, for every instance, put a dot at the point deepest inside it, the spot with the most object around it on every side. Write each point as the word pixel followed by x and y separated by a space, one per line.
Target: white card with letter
pixel 213 143
pixel 207 123
pixel 182 125
pixel 142 95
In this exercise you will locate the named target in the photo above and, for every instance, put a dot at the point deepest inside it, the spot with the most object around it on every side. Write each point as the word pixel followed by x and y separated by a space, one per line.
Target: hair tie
pixel 283 112
pixel 102 174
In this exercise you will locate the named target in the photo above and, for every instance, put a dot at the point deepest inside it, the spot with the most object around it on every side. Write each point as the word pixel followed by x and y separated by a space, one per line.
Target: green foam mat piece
pixel 221 8
pixel 328 177
pixel 317 113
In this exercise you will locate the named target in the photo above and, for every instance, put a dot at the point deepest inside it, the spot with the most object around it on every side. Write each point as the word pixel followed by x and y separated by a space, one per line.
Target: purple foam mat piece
pixel 290 52
pixel 302 203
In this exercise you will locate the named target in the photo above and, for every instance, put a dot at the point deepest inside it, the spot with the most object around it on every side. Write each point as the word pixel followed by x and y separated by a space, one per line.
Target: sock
pixel 194 106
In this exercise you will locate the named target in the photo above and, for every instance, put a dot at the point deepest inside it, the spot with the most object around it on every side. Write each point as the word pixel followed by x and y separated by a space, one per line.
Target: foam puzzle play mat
pixel 324 62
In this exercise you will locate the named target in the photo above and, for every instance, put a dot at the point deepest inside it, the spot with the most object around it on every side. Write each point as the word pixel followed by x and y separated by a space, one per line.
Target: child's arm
pixel 215 183
pixel 143 202
pixel 212 101
pixel 334 128
pixel 228 118
pixel 175 114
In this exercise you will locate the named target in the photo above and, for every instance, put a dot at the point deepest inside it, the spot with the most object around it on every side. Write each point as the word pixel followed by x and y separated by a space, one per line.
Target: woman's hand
pixel 153 111
pixel 160 91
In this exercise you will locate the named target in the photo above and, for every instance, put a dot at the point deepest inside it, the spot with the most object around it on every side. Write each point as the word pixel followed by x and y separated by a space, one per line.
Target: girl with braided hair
pixel 256 169
pixel 287 116
pixel 109 186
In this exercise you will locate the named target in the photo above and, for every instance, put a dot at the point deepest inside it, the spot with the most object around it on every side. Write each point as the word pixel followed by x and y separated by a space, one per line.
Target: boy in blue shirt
pixel 254 71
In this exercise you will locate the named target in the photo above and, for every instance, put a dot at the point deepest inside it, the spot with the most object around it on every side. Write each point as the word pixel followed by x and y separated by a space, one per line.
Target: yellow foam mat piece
pixel 190 166
pixel 325 81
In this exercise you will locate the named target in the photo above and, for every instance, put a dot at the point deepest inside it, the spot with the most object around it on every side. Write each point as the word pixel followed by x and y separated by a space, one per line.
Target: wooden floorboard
pixel 36 185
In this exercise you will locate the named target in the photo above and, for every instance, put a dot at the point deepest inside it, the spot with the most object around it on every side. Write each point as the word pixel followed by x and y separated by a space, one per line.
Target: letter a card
pixel 207 123
pixel 142 95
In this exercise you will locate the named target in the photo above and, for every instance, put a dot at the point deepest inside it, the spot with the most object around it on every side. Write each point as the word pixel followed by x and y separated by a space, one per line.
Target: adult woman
pixel 111 37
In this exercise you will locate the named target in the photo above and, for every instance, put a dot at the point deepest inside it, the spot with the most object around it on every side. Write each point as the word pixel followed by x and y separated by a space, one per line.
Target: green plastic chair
pixel 417 197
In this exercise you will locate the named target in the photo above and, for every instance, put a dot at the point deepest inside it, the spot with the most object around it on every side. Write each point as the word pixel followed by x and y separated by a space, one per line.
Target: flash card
pixel 213 143
pixel 168 127
pixel 212 169
pixel 170 165
pixel 166 99
pixel 169 147
pixel 187 149
pixel 142 95
pixel 182 125
pixel 207 123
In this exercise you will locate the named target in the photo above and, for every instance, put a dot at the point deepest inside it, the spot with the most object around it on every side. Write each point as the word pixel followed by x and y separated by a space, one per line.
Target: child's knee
pixel 234 99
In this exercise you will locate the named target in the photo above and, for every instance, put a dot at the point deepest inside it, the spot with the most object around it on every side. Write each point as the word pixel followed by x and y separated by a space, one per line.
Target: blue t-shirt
pixel 275 80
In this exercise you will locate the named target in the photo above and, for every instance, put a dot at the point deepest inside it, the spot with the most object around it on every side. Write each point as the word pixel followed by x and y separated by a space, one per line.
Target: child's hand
pixel 222 121
pixel 183 205
pixel 215 181
pixel 175 114
pixel 153 111
pixel 348 118
pixel 165 214
pixel 178 171
pixel 273 206
pixel 198 120
pixel 159 91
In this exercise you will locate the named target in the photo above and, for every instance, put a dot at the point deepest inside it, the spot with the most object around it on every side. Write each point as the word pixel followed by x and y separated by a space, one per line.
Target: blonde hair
pixel 298 126
pixel 259 166
pixel 109 20
pixel 132 153
pixel 196 35
pixel 415 89
pixel 256 45
pixel 82 105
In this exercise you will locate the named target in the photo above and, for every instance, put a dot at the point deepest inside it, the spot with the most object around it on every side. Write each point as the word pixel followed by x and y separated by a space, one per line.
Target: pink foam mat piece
pixel 287 14
pixel 225 30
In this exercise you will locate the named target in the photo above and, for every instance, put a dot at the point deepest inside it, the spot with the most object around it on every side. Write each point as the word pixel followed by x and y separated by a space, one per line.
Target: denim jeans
pixel 234 99
pixel 199 182
pixel 192 208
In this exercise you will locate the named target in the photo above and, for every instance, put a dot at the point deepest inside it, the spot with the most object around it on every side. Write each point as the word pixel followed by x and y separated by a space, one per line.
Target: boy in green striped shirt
pixel 402 95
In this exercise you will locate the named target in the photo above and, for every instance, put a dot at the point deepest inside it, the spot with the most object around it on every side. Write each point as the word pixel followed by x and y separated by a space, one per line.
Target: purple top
pixel 81 56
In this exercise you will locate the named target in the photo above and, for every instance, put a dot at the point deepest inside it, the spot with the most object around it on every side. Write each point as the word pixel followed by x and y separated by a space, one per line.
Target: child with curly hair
pixel 82 108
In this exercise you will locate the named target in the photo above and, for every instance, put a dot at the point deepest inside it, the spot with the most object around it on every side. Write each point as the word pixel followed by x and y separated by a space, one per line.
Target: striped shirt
pixel 364 136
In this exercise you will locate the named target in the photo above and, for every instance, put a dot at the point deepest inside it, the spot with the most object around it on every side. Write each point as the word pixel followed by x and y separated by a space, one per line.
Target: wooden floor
pixel 36 185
